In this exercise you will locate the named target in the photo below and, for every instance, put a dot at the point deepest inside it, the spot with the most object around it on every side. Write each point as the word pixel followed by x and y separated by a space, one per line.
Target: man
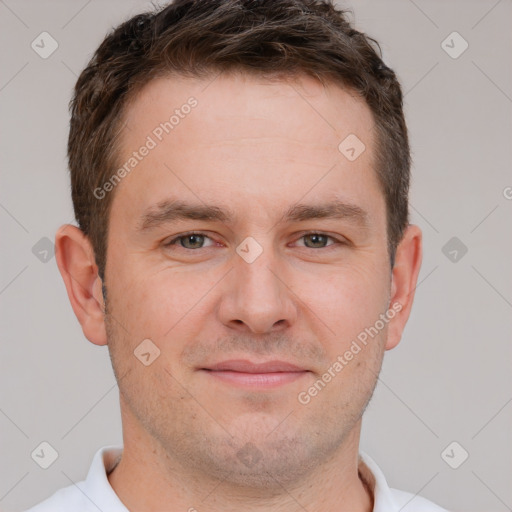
pixel 240 173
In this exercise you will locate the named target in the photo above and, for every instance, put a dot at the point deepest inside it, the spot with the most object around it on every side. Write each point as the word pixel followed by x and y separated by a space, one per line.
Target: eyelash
pixel 309 233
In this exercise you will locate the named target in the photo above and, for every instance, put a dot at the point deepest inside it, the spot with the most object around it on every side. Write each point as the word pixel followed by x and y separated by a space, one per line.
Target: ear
pixel 403 282
pixel 75 259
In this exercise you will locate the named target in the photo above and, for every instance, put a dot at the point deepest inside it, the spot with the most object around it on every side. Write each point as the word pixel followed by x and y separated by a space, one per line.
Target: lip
pixel 245 373
pixel 244 366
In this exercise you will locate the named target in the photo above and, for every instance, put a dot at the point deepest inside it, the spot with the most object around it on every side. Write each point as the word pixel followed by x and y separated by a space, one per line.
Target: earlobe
pixel 404 281
pixel 75 259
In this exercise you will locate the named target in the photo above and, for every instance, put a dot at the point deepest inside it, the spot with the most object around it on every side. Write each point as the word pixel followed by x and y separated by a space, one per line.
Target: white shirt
pixel 95 493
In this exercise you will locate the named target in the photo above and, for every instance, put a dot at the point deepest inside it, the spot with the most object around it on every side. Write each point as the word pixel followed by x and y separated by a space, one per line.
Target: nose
pixel 257 297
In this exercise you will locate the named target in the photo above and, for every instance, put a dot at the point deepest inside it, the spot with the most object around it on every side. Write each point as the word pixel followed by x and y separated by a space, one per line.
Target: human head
pixel 268 38
pixel 256 143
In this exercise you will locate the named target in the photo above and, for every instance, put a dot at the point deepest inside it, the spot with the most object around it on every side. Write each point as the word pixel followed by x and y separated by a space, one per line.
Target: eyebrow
pixel 172 210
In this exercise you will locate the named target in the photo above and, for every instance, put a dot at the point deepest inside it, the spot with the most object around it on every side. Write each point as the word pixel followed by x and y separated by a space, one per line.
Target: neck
pixel 148 479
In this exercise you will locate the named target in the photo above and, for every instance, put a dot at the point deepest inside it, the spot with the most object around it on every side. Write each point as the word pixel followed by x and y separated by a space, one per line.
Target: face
pixel 245 237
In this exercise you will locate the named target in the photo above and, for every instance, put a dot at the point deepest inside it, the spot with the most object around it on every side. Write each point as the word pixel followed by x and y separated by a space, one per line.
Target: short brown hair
pixel 197 38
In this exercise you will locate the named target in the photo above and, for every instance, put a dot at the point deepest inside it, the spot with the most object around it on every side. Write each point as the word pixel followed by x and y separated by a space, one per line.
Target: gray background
pixel 448 380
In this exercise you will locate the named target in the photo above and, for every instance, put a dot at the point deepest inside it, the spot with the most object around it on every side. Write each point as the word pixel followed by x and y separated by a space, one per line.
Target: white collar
pixel 98 490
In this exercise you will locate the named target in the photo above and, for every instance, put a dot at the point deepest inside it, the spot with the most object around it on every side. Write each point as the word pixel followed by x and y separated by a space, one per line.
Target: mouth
pixel 247 374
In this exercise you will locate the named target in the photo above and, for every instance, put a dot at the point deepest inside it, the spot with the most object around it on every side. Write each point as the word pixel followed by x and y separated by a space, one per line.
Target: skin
pixel 256 147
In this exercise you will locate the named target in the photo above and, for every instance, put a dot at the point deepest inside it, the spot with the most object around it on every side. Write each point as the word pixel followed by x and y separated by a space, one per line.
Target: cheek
pixel 159 305
pixel 346 300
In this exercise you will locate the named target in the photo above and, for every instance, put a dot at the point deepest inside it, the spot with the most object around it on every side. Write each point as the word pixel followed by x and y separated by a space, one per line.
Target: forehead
pixel 228 103
pixel 244 137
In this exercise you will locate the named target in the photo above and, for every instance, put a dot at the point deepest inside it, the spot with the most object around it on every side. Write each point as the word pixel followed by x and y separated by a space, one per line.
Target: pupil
pixel 317 239
pixel 193 240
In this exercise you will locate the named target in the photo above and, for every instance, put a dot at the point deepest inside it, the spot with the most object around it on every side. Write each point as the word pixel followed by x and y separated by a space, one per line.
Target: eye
pixel 318 240
pixel 196 240
pixel 189 241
